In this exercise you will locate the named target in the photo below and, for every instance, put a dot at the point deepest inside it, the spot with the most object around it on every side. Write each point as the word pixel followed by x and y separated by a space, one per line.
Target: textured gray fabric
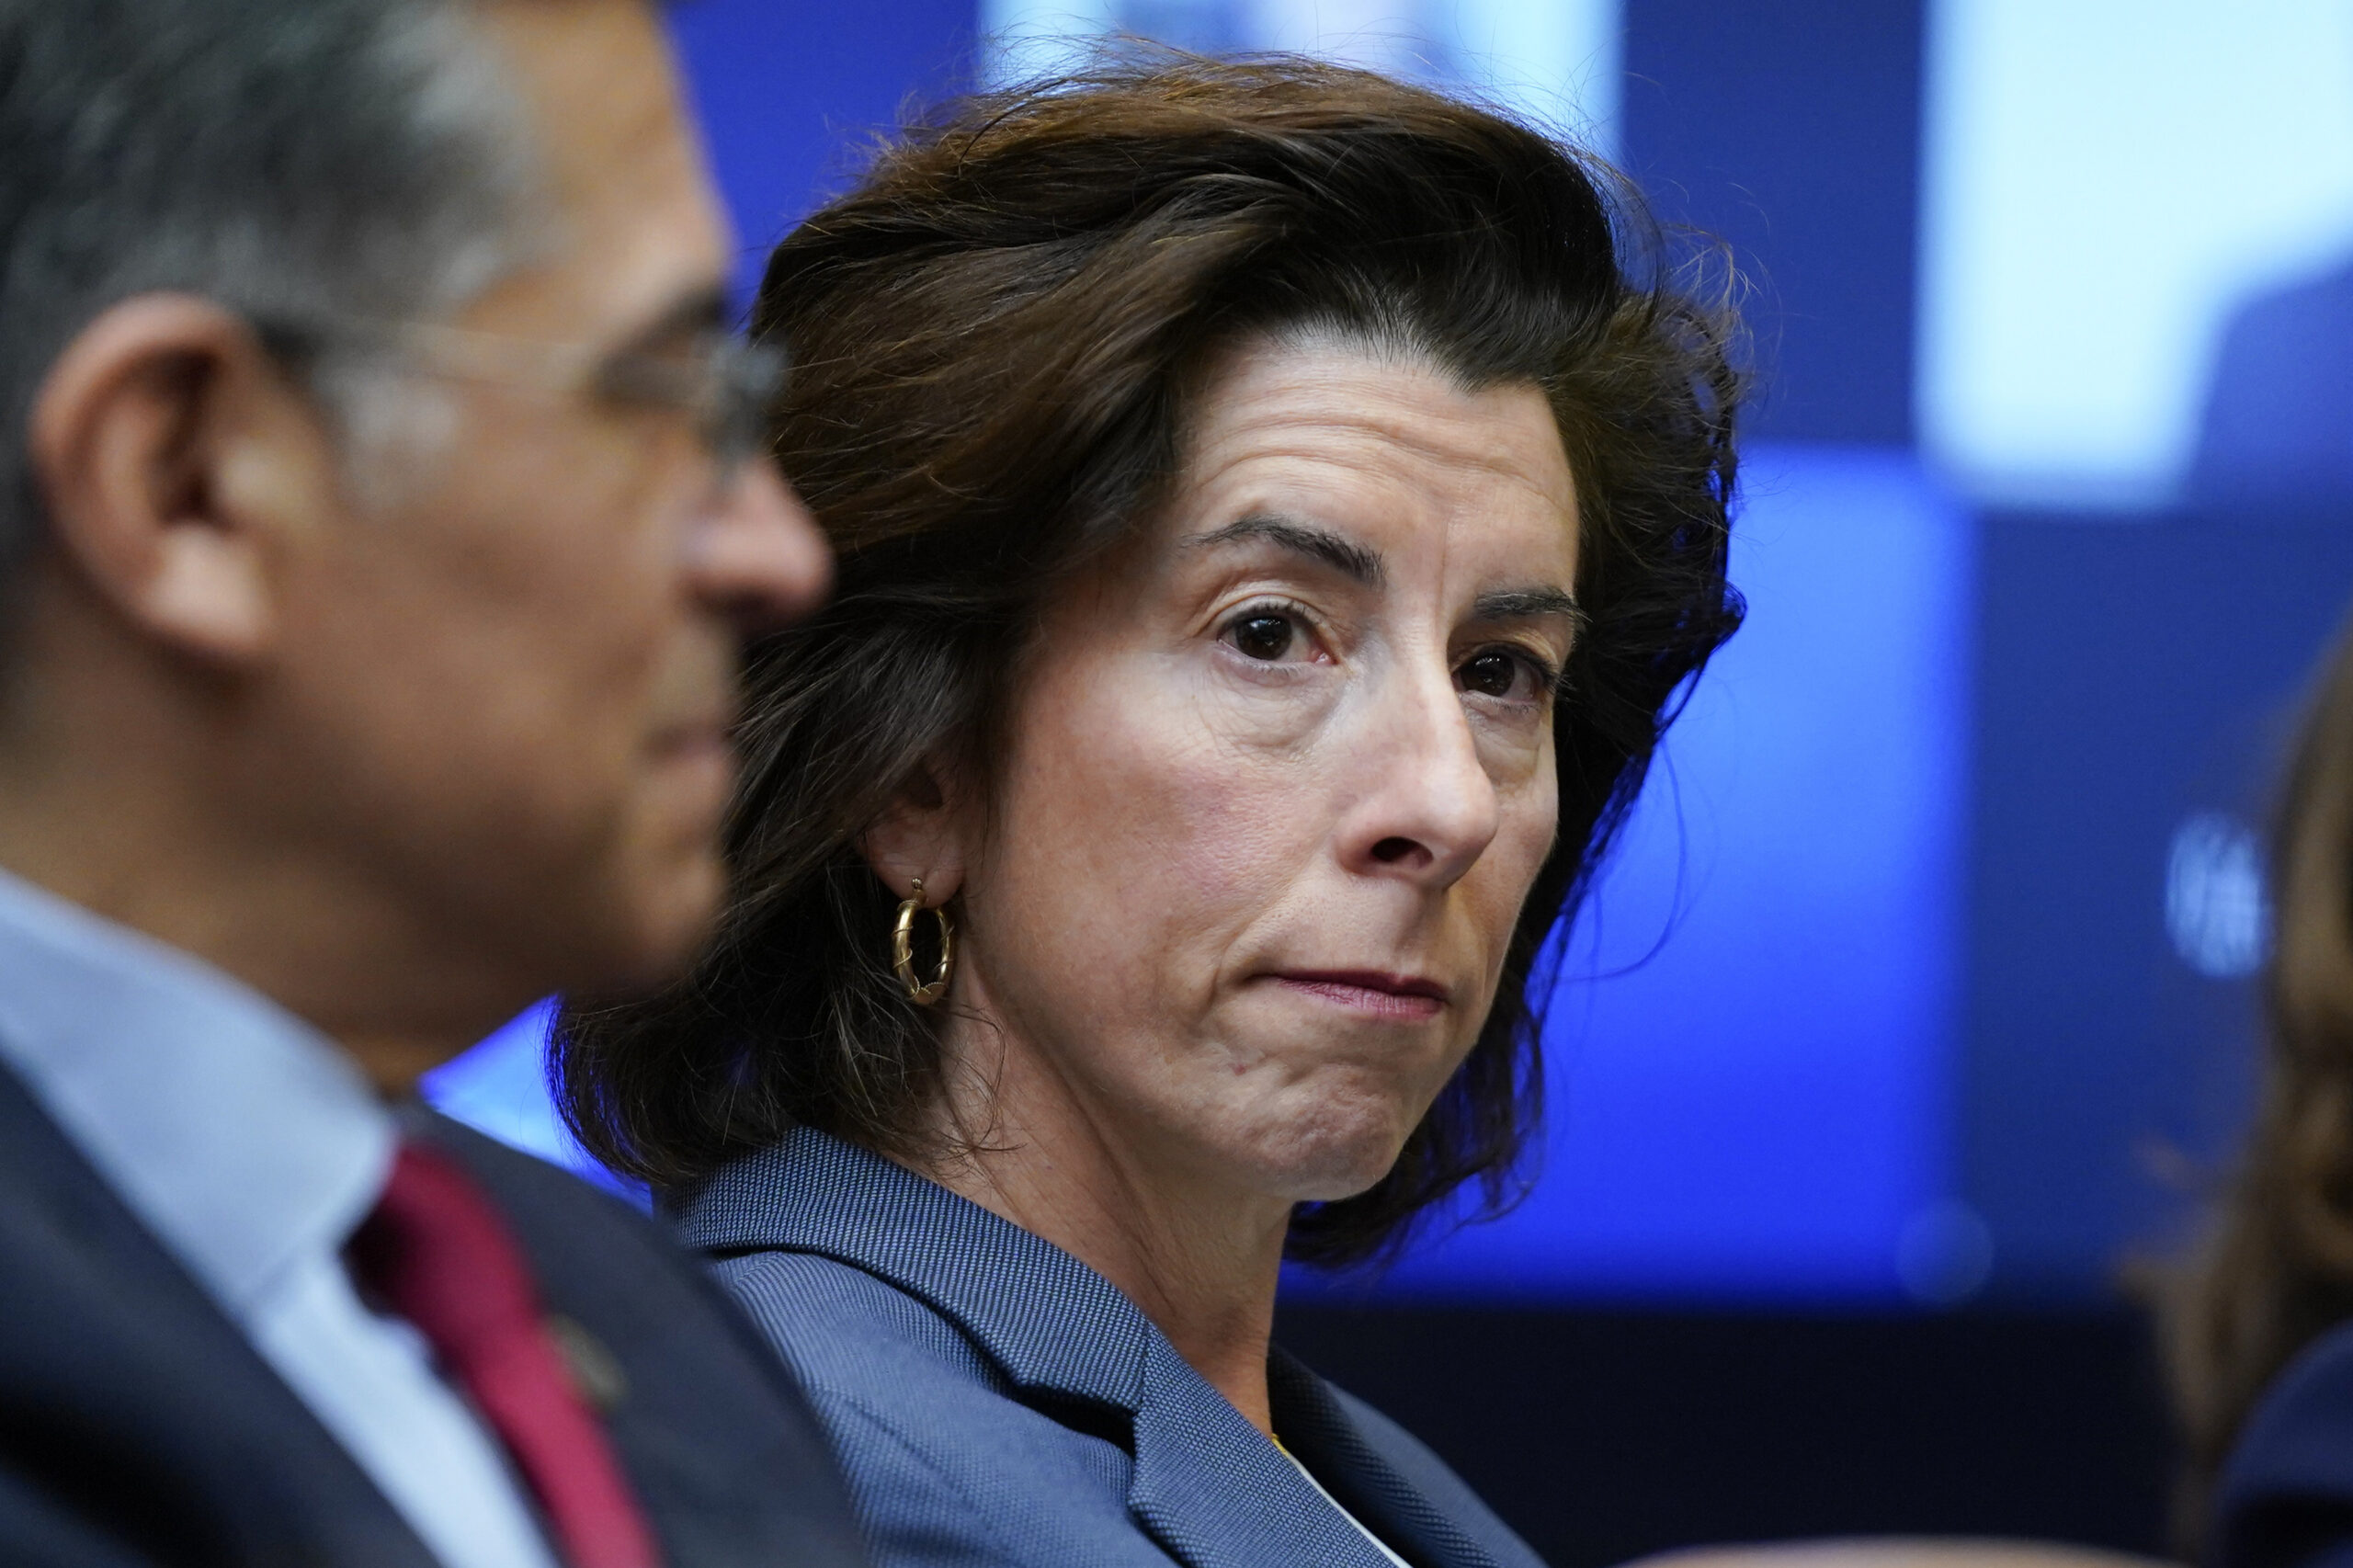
pixel 995 1400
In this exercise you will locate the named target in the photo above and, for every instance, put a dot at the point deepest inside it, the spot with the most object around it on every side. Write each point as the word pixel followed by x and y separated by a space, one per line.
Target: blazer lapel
pixel 121 1381
pixel 1215 1494
pixel 1319 1430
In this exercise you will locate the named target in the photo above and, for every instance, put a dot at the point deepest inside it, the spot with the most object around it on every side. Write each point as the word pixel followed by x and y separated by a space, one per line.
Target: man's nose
pixel 757 556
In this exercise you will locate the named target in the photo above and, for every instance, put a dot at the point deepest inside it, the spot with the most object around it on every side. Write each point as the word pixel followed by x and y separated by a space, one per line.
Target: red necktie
pixel 438 1254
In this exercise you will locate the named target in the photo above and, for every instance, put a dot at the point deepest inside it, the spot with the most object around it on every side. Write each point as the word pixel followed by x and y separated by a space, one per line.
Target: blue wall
pixel 789 94
pixel 1792 132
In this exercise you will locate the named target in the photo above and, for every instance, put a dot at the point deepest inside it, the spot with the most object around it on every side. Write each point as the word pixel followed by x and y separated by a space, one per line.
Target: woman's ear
pixel 921 834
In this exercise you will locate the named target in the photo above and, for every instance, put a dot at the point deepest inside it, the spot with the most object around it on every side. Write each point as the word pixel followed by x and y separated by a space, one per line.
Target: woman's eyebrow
pixel 1342 555
pixel 1529 604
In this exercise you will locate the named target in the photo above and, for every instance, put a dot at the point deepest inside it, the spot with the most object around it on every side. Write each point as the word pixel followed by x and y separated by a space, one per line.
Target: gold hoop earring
pixel 903 950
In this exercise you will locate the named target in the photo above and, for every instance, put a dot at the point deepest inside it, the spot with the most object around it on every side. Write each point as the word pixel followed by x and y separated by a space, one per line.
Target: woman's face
pixel 1280 773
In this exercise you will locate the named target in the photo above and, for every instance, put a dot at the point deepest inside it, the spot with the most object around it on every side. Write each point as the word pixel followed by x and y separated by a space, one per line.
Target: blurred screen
pixel 2108 186
pixel 1555 61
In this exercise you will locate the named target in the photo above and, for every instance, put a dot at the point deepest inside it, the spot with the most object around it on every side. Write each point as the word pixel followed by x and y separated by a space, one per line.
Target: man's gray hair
pixel 295 161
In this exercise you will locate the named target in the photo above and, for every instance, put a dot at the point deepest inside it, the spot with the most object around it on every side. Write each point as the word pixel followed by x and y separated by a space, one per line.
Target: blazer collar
pixel 1321 1432
pixel 1048 1320
pixel 1206 1483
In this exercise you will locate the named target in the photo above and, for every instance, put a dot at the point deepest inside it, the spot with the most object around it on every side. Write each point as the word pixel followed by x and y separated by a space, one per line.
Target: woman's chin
pixel 1325 1163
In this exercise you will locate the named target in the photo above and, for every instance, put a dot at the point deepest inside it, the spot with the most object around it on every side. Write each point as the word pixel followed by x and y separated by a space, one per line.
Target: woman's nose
pixel 756 555
pixel 1429 809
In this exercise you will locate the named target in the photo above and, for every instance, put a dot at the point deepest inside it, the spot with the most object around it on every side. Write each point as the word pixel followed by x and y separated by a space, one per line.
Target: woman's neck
pixel 1201 1258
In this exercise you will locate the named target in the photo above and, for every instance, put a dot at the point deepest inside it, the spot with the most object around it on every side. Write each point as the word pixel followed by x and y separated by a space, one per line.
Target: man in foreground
pixel 380 515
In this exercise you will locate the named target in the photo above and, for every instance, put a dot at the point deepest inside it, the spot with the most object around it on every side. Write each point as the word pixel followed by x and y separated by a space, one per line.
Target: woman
pixel 1274 520
pixel 2262 1340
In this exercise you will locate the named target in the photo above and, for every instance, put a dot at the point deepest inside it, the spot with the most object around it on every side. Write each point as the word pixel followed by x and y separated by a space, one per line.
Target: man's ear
pixel 922 834
pixel 173 458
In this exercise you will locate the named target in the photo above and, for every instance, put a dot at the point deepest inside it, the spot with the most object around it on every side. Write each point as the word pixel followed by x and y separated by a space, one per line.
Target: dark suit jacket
pixel 2285 1499
pixel 137 1426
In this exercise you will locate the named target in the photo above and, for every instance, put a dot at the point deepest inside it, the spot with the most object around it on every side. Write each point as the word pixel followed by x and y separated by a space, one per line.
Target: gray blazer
pixel 995 1400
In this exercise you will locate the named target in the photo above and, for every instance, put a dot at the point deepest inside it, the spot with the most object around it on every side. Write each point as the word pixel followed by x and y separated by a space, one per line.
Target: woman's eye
pixel 1498 675
pixel 1263 635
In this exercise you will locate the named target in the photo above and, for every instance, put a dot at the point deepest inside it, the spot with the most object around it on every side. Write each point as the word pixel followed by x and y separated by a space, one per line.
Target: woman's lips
pixel 1404 998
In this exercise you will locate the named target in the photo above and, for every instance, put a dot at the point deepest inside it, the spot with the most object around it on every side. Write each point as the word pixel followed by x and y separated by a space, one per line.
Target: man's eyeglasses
pixel 716 379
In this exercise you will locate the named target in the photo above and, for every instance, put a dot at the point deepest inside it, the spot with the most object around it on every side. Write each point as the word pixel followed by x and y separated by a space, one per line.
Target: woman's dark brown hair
pixel 2275 1271
pixel 994 336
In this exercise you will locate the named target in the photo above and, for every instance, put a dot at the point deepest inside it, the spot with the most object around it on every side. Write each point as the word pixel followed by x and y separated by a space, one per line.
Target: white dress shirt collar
pixel 252 1148
pixel 244 1137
